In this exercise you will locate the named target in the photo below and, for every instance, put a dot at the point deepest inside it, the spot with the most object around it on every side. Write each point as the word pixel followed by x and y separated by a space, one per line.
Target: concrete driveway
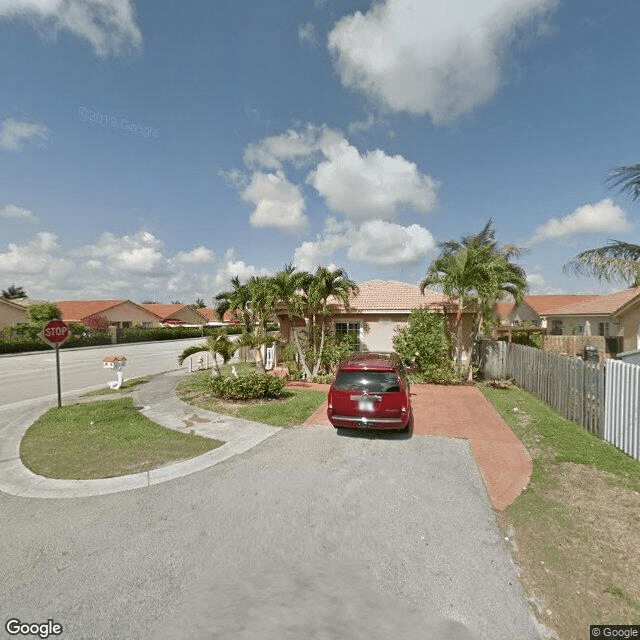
pixel 309 534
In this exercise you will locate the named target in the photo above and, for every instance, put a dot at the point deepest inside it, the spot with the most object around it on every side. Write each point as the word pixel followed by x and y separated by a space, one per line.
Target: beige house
pixel 535 309
pixel 176 314
pixel 613 316
pixel 212 319
pixel 11 313
pixel 378 310
pixel 118 313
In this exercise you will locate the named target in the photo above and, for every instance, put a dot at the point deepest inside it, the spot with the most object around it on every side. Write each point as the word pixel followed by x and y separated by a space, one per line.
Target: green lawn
pixel 575 530
pixel 103 439
pixel 294 409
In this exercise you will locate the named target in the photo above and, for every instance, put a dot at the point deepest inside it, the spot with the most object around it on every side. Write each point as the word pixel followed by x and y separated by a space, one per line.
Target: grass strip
pixel 575 530
pixel 127 387
pixel 104 439
pixel 294 409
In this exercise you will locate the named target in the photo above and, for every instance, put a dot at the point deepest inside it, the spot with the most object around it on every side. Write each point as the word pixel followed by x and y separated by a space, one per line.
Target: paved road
pixel 28 377
pixel 309 535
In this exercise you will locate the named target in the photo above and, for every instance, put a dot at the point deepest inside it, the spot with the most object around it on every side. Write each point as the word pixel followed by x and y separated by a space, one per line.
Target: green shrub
pixel 325 379
pixel 253 386
pixel 426 341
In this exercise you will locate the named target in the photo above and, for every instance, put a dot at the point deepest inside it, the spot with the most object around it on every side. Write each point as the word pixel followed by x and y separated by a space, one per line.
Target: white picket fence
pixel 603 399
pixel 621 410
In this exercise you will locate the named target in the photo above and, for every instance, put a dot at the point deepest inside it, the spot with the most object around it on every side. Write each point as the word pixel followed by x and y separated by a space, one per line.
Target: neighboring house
pixel 503 311
pixel 535 309
pixel 119 313
pixel 378 310
pixel 176 314
pixel 212 319
pixel 614 315
pixel 11 313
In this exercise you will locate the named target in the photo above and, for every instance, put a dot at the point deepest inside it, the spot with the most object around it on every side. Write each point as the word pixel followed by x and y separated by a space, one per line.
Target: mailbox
pixel 116 363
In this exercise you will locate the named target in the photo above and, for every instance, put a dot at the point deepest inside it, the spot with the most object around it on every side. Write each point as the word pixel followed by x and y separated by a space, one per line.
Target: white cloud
pixel 109 25
pixel 429 58
pixel 199 255
pixel 370 186
pixel 279 203
pixel 119 267
pixel 388 244
pixel 272 151
pixel 601 217
pixel 311 254
pixel 139 253
pixel 307 34
pixel 15 132
pixel 362 125
pixel 378 242
pixel 230 268
pixel 14 212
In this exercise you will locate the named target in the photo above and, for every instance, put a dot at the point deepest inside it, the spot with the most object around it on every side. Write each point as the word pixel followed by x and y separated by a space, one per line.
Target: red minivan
pixel 370 391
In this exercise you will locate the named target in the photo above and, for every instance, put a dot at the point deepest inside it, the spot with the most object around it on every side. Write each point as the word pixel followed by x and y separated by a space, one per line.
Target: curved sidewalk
pixel 463 412
pixel 160 404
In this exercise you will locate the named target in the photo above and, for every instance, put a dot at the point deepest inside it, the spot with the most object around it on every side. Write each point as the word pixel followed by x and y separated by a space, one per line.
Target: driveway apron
pixel 463 412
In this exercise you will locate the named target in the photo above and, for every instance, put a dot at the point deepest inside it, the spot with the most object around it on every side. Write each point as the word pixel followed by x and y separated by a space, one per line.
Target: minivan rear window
pixel 373 381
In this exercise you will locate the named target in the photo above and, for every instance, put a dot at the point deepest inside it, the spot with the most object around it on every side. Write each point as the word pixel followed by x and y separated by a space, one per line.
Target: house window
pixel 556 328
pixel 344 328
pixel 603 328
pixel 126 325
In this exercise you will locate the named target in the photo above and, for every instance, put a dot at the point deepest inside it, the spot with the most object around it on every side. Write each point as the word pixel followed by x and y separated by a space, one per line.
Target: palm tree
pixel 326 284
pixel 290 288
pixel 306 296
pixel 253 303
pixel 475 269
pixel 618 260
pixel 217 344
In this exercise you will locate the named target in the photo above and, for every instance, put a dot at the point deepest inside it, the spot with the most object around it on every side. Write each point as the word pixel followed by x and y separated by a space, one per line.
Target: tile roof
pixel 542 305
pixel 165 311
pixel 503 309
pixel 598 305
pixel 210 315
pixel 77 310
pixel 391 295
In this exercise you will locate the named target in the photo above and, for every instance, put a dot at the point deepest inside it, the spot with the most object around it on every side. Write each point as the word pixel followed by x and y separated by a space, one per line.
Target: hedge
pixel 253 386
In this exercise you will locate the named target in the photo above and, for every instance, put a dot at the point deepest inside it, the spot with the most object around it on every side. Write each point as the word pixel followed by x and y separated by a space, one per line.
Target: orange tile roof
pixel 391 295
pixel 210 315
pixel 165 311
pixel 542 305
pixel 598 305
pixel 503 309
pixel 78 310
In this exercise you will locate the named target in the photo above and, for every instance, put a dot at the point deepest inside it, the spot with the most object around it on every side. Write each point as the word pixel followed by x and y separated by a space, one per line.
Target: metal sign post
pixel 54 334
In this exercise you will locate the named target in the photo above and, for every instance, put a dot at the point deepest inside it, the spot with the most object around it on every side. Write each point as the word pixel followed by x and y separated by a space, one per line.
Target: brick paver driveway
pixel 463 412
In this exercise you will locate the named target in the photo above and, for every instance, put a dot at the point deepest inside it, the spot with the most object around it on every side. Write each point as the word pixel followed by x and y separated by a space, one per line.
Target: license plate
pixel 365 405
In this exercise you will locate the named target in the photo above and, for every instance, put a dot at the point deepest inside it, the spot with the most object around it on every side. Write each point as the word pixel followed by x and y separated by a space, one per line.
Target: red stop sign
pixel 55 333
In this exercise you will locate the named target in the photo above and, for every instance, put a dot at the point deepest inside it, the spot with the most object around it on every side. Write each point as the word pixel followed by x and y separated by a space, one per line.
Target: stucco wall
pixel 10 315
pixel 128 312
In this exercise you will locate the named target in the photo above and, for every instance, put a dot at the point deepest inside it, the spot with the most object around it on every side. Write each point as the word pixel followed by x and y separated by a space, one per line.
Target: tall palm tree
pixel 476 269
pixel 253 303
pixel 618 260
pixel 290 287
pixel 326 284
pixel 217 344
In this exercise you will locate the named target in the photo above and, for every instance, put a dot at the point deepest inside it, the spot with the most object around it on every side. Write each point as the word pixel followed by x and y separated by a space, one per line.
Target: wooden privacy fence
pixel 602 398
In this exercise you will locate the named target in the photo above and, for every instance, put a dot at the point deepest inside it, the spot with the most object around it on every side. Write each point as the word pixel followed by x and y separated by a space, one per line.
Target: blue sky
pixel 153 149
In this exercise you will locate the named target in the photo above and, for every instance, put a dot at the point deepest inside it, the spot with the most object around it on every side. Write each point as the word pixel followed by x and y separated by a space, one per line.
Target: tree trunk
pixel 316 368
pixel 303 361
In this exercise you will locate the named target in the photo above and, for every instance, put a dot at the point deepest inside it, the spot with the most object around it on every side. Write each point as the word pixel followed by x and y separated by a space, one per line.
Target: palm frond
pixel 626 179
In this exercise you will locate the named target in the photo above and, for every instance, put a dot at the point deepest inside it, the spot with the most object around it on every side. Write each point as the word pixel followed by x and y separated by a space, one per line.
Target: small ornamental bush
pixel 253 386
